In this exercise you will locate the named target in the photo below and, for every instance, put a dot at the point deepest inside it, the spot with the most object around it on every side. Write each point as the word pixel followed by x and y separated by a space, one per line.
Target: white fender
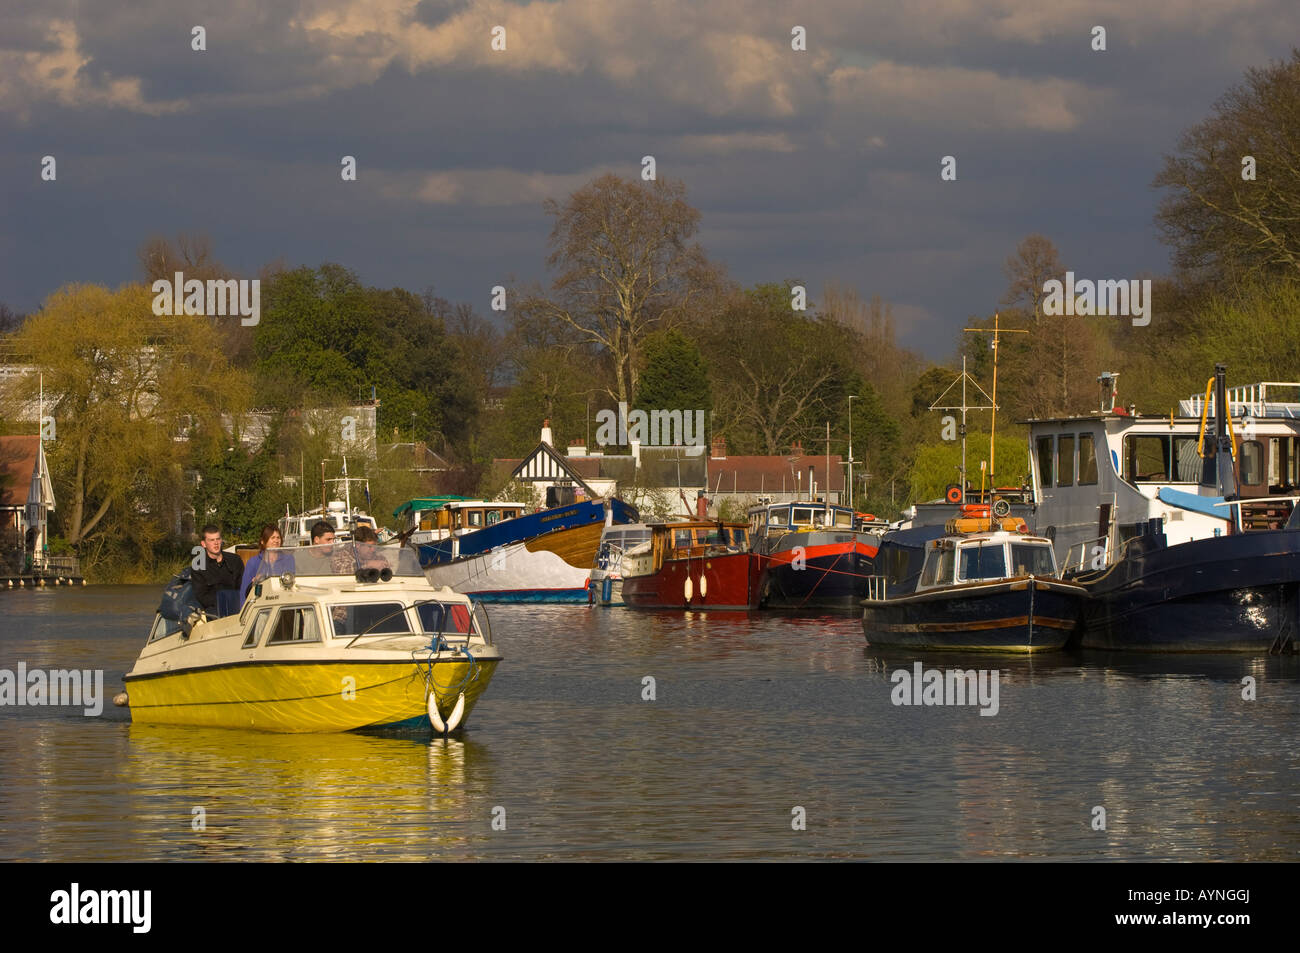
pixel 435 718
pixel 687 590
pixel 704 588
pixel 457 713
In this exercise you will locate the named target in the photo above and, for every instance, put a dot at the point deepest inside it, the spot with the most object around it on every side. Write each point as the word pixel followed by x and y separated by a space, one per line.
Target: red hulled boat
pixel 695 564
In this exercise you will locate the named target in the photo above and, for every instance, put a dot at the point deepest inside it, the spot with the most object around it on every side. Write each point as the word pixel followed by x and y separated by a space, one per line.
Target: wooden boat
pixel 987 586
pixel 352 637
pixel 694 564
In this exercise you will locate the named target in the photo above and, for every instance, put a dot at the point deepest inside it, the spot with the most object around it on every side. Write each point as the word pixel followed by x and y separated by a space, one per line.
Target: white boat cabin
pixel 986 557
pixel 1100 479
pixel 296 530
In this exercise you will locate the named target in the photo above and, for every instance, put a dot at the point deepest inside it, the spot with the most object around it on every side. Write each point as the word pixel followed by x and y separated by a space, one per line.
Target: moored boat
pixel 987 586
pixel 353 637
pixel 606 587
pixel 1177 526
pixel 545 556
pixel 696 564
pixel 814 555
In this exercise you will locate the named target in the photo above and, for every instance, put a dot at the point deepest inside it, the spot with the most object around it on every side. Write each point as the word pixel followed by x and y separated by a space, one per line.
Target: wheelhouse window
pixel 682 539
pixel 1030 560
pixel 1251 459
pixel 256 630
pixel 162 628
pixel 712 536
pixel 1065 460
pixel 1046 459
pixel 946 560
pixel 983 562
pixel 294 625
pixel 444 617
pixel 1087 460
pixel 736 536
pixel 779 517
pixel 1163 458
pixel 803 514
pixel 844 519
pixel 372 618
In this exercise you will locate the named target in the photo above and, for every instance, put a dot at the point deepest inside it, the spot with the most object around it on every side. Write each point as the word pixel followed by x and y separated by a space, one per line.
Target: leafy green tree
pixel 675 376
pixel 1234 191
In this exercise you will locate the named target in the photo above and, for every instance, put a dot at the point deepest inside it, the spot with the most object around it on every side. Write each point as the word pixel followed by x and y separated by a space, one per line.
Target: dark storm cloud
pixel 821 165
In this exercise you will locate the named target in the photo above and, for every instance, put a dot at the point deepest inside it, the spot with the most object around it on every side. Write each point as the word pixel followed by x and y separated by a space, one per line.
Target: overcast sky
pixel 822 165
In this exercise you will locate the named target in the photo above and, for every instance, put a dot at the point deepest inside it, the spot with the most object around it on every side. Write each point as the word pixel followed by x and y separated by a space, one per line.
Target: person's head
pixel 211 539
pixel 322 532
pixel 270 538
pixel 364 534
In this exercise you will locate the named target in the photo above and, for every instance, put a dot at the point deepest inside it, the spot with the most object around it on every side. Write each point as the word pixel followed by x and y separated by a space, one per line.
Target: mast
pixel 993 426
pixel 826 495
pixel 38 548
pixel 963 407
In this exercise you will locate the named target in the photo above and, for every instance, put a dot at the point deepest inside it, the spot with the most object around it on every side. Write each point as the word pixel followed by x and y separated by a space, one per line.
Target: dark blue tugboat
pixel 1181 560
pixel 987 586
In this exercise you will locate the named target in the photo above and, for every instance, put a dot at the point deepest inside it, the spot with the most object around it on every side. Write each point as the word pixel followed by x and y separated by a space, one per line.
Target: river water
pixel 768 737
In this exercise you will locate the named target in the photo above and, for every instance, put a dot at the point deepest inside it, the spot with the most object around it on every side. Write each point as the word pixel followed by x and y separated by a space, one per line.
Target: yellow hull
pixel 302 696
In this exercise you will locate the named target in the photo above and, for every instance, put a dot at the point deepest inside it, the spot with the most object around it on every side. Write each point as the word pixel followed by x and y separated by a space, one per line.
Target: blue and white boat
pixel 495 552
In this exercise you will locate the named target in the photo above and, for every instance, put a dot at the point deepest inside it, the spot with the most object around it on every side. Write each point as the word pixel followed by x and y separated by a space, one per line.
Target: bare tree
pixel 1034 262
pixel 626 266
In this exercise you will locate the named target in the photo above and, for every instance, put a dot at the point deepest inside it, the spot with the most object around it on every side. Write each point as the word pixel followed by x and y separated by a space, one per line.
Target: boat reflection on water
pixel 387 794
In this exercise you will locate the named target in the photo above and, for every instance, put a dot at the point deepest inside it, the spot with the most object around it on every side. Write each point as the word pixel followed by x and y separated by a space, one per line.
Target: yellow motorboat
pixel 347 636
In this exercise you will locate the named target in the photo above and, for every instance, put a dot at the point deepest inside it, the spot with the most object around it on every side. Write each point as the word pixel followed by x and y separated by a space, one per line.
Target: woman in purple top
pixel 269 561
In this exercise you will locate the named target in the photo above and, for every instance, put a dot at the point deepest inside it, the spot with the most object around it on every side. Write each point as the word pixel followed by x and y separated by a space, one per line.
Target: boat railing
pixel 1087 555
pixel 877 588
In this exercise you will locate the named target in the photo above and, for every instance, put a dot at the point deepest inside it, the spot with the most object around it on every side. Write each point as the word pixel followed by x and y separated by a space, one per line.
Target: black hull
pixel 1019 615
pixel 836 583
pixel 1228 594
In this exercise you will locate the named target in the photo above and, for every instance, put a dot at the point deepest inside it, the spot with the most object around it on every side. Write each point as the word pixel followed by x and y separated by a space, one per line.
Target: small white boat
pixel 349 637
pixel 607 575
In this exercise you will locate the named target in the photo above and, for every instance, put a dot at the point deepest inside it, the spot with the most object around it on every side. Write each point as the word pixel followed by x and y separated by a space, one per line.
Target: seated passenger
pixel 367 546
pixel 222 571
pixel 269 561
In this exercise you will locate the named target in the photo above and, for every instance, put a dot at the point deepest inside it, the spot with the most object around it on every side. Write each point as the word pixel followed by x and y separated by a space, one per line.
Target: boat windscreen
pixel 344 559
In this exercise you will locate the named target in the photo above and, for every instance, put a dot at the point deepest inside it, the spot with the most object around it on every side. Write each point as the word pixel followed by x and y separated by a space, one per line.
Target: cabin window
pixel 682 539
pixel 1065 460
pixel 803 514
pixel 444 617
pixel 931 569
pixel 946 560
pixel 493 517
pixel 1251 459
pixel 844 518
pixel 779 517
pixel 162 628
pixel 475 518
pixel 385 617
pixel 1087 460
pixel 257 628
pixel 1146 458
pixel 983 562
pixel 1029 560
pixel 737 536
pixel 711 537
pixel 1046 471
pixel 1282 462
pixel 294 625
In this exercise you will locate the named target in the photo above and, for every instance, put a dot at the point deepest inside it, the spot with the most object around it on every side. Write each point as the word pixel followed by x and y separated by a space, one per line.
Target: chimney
pixel 812 484
pixel 577 450
pixel 797 448
pixel 636 452
pixel 719 447
pixel 546 433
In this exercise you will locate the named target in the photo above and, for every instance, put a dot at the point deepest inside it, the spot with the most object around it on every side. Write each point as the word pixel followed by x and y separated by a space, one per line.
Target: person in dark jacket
pixel 221 570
